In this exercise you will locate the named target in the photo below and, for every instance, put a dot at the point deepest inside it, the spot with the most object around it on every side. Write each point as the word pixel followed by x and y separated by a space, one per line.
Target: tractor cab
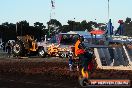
pixel 29 42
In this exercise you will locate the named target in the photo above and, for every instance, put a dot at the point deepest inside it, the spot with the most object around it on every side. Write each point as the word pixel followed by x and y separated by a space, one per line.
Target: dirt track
pixel 36 73
pixel 46 73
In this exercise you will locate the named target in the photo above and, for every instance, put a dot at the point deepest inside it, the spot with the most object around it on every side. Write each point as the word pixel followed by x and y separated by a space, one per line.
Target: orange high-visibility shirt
pixel 76 46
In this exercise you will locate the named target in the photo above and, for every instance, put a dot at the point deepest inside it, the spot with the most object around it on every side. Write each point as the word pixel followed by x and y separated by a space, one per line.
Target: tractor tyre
pixel 18 49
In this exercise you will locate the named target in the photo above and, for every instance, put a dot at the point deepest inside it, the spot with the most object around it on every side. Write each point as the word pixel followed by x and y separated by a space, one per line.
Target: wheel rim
pixel 62 55
pixel 41 52
pixel 16 48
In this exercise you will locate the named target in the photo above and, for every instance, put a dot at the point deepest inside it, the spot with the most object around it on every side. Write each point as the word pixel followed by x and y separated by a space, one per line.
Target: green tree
pixel 22 28
pixel 39 30
pixel 54 27
pixel 128 20
pixel 7 31
pixel 128 26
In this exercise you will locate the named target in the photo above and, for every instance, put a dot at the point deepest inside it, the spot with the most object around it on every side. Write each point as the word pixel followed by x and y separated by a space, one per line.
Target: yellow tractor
pixel 26 45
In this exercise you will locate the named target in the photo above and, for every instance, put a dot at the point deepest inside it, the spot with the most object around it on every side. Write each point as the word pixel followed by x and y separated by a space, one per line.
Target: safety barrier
pixel 118 58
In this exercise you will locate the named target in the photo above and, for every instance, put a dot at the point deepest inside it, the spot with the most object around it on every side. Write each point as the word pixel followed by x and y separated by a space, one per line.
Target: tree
pixel 39 30
pixel 54 27
pixel 84 24
pixel 71 25
pixel 65 28
pixel 7 31
pixel 40 25
pixel 22 28
pixel 128 20
pixel 102 26
pixel 128 27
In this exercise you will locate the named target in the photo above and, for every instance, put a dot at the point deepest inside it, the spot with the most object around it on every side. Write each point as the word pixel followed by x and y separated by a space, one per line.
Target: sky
pixel 39 10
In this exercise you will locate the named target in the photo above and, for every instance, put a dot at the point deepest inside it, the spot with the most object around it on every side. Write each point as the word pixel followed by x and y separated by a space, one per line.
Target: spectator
pixel 3 44
pixel 70 56
pixel 8 48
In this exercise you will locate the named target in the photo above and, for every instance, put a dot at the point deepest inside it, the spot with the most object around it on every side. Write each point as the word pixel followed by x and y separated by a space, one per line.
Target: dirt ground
pixel 47 73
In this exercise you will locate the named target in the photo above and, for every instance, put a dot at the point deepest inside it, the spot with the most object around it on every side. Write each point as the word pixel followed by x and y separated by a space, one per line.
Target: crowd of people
pixel 7 47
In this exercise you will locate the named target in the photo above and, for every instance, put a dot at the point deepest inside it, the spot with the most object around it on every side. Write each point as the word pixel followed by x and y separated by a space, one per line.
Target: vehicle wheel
pixel 18 49
pixel 62 55
pixel 41 52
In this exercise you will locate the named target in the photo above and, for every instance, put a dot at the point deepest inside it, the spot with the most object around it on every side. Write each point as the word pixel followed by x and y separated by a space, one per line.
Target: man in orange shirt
pixel 76 46
pixel 84 54
pixel 79 47
pixel 78 51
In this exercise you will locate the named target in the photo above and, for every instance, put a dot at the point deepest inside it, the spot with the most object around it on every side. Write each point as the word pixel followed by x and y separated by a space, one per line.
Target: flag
pixel 52 3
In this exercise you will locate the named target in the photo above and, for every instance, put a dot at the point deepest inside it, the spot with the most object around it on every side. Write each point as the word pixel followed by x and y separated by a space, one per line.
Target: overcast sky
pixel 39 10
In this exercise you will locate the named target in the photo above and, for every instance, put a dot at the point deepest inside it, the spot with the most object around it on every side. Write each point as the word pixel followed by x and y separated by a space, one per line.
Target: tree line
pixel 9 31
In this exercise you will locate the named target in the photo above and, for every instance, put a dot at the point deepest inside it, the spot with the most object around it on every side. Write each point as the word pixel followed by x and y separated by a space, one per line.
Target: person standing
pixel 8 48
pixel 70 56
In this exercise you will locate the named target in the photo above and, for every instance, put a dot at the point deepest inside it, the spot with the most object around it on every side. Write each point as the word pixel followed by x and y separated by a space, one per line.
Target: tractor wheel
pixel 18 49
pixel 41 52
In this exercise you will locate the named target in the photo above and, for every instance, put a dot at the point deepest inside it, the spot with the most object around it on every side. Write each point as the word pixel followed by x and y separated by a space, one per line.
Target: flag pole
pixel 50 16
pixel 16 27
pixel 108 9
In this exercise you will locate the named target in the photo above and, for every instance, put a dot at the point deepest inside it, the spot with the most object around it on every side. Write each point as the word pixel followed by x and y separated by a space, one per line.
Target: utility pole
pixel 108 9
pixel 16 28
pixel 21 28
pixel 49 26
pixel 74 25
